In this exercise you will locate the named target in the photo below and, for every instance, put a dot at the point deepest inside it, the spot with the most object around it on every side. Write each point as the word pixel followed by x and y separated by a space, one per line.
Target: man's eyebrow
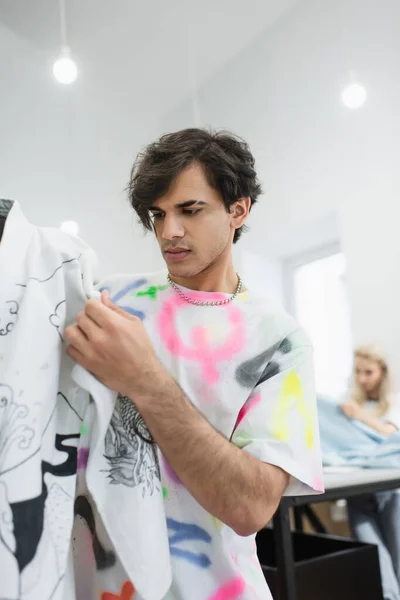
pixel 186 204
pixel 189 203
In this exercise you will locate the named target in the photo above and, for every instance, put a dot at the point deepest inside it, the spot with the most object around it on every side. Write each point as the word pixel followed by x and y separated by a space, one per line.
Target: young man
pixel 223 381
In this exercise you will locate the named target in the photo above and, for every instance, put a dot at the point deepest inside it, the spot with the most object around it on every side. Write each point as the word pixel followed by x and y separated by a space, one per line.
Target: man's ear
pixel 239 212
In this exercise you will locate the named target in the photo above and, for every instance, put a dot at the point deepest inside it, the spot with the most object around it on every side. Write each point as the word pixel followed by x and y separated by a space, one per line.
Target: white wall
pixel 63 155
pixel 319 161
pixel 373 256
pixel 263 274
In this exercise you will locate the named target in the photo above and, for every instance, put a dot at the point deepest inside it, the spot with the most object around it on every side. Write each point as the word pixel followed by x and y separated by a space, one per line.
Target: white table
pixel 341 478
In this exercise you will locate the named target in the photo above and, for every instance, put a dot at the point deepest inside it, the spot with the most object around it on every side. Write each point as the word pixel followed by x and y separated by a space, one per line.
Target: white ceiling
pixel 147 55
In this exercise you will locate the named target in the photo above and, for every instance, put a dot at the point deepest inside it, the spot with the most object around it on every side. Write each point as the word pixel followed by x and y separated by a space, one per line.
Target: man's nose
pixel 172 228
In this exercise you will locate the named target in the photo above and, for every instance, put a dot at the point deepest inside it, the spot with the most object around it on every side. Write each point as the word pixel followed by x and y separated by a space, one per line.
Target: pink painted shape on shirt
pixel 201 349
pixel 200 342
pixel 318 484
pixel 246 408
pixel 170 472
pixel 248 586
pixel 83 457
pixel 230 591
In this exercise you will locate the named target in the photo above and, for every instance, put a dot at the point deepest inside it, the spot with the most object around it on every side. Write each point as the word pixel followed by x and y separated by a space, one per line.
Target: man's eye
pixel 156 216
pixel 188 211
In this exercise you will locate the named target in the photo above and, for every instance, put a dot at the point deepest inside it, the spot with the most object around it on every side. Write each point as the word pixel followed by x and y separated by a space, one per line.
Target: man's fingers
pixel 77 356
pixel 98 313
pixel 106 300
pixel 87 325
pixel 77 338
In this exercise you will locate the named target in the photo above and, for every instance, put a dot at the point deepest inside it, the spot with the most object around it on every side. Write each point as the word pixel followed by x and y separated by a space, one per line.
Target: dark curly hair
pixel 226 159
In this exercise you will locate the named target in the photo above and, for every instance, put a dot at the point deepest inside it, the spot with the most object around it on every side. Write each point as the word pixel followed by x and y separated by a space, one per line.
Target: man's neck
pixel 213 279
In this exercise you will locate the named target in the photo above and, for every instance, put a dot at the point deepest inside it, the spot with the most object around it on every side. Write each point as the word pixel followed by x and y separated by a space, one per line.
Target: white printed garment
pixel 45 276
pixel 45 279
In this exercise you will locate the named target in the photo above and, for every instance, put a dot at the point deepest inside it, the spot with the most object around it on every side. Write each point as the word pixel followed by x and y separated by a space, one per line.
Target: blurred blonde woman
pixel 375 519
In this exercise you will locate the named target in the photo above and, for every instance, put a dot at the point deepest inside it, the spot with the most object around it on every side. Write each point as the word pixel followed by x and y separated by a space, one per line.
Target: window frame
pixel 305 258
pixel 292 263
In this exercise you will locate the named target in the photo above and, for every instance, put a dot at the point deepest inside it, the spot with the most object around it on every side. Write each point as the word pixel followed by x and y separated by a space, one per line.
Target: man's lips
pixel 177 254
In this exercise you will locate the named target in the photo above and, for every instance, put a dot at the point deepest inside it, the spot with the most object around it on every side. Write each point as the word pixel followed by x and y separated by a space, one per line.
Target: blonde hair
pixel 385 394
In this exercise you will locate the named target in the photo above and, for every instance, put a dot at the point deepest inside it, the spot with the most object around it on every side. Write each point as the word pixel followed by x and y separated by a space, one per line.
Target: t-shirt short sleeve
pixel 279 422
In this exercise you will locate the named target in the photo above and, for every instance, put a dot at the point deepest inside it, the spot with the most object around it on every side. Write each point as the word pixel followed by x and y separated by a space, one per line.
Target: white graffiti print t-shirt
pixel 249 370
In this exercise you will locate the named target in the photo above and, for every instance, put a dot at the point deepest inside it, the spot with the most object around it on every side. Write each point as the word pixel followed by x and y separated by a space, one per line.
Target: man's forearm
pixel 229 483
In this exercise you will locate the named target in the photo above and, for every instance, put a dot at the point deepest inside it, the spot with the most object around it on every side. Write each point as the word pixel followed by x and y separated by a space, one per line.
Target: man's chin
pixel 181 271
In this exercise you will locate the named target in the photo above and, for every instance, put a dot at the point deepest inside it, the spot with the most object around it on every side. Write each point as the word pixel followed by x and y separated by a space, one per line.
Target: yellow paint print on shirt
pixel 292 389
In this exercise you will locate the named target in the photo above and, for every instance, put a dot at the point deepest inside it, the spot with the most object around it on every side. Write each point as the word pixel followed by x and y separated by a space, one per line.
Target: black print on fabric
pixel 15 431
pixel 5 207
pixel 65 262
pixel 25 518
pixel 60 396
pixel 56 319
pixel 261 368
pixel 28 515
pixel 10 317
pixel 130 450
pixel 104 558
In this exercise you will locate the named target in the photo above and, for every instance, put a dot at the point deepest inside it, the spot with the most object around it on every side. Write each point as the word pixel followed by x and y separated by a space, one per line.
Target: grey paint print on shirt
pixel 130 450
pixel 260 368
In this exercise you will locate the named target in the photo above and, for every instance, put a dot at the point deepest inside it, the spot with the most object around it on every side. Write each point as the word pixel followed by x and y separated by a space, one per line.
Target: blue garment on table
pixel 347 441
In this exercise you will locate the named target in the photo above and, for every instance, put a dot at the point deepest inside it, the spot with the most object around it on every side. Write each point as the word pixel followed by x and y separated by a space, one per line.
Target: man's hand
pixel 353 410
pixel 115 347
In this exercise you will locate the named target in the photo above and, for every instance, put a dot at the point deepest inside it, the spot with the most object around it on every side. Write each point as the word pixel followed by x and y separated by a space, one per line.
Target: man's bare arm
pixel 232 485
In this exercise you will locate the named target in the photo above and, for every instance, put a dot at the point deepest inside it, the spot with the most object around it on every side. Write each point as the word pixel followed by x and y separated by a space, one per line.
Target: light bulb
pixel 64 69
pixel 70 227
pixel 354 95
